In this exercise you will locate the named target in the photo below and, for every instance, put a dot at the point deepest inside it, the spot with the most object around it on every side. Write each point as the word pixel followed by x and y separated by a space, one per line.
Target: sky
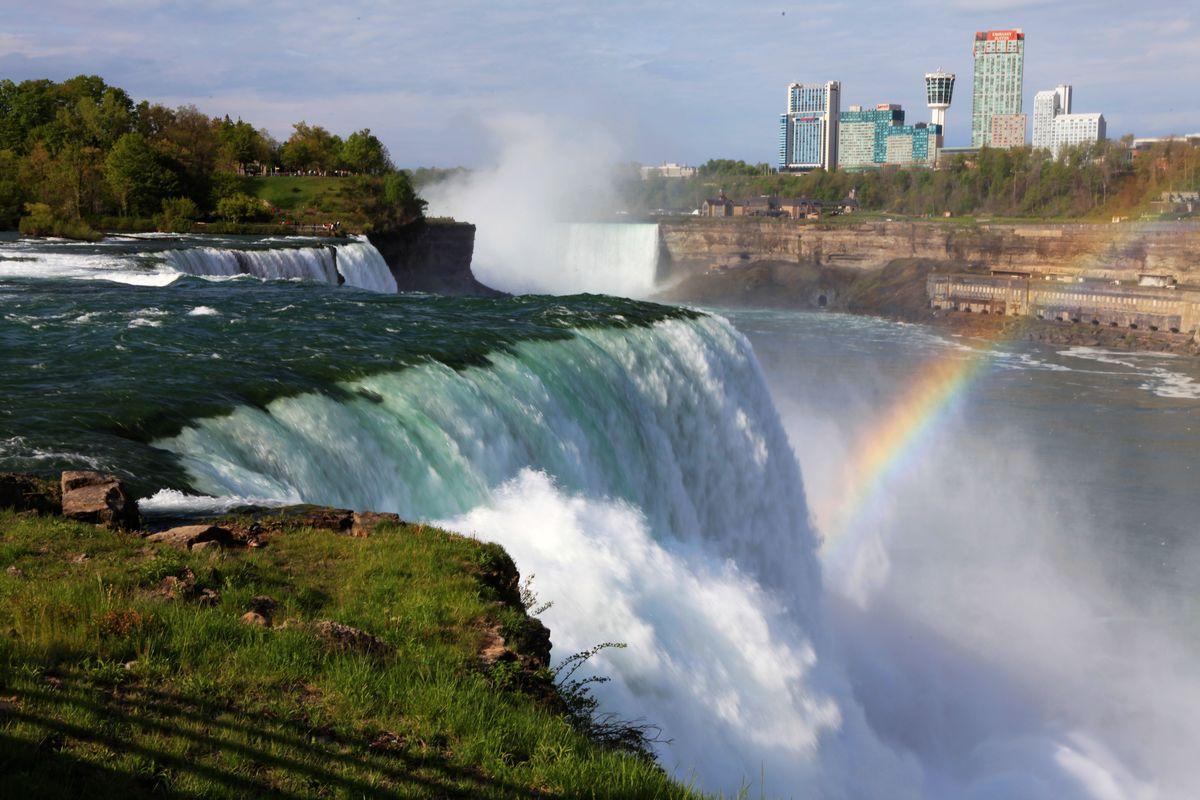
pixel 669 81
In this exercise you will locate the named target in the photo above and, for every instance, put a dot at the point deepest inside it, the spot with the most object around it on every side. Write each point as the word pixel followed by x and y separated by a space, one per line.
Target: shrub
pixel 177 215
pixel 40 220
pixel 242 208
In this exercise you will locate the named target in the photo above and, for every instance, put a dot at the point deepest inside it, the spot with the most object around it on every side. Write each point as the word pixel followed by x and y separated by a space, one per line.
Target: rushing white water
pixel 204 261
pixel 570 258
pixel 18 261
pixel 363 267
pixel 357 264
pixel 675 498
pixel 644 476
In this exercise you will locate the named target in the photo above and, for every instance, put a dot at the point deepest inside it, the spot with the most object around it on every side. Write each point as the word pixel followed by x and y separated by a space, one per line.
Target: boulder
pixel 365 522
pixel 98 498
pixel 345 638
pixel 23 492
pixel 261 606
pixel 193 537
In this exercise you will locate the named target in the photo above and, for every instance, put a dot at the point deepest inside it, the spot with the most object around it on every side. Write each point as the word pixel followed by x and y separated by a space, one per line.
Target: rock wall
pixel 1087 249
pixel 432 257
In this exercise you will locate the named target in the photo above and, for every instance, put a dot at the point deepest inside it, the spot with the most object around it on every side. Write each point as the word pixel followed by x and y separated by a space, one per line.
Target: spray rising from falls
pixel 643 475
pixel 529 209
pixel 604 258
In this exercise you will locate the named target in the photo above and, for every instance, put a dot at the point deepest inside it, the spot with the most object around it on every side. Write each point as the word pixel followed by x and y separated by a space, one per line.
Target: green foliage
pixel 311 148
pixel 138 175
pixel 129 673
pixel 87 151
pixel 10 191
pixel 40 220
pixel 387 203
pixel 177 215
pixel 242 208
pixel 243 144
pixel 1097 180
pixel 363 153
pixel 726 166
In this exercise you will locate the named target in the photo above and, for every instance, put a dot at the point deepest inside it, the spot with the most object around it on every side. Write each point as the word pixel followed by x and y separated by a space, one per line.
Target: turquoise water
pixel 1016 618
pixel 95 370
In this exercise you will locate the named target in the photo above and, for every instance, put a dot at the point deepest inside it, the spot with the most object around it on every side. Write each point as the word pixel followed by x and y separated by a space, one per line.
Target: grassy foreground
pixel 126 670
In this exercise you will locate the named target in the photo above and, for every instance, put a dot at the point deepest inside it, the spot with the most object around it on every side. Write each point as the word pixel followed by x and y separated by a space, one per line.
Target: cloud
pixel 681 81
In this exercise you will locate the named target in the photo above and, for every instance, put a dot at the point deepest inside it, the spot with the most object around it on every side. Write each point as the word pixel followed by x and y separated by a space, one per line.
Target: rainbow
pixel 897 439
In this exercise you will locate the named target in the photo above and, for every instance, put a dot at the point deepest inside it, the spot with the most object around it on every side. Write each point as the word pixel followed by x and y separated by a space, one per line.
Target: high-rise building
pixel 808 132
pixel 1008 130
pixel 939 89
pixel 862 139
pixel 913 145
pixel 876 136
pixel 1072 129
pixel 1046 106
pixel 999 81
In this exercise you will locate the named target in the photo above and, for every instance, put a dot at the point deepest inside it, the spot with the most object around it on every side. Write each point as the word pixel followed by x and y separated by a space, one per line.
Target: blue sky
pixel 672 81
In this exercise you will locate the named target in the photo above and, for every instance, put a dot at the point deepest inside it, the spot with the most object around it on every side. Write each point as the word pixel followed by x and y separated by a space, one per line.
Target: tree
pixel 10 191
pixel 311 148
pixel 363 153
pixel 243 145
pixel 137 175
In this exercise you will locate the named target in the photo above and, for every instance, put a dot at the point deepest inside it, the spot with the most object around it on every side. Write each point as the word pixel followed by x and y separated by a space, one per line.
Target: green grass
pixel 308 199
pixel 111 688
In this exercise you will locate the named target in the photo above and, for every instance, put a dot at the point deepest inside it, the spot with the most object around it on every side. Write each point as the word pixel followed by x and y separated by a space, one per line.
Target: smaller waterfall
pixel 363 267
pixel 358 264
pixel 204 261
pixel 314 264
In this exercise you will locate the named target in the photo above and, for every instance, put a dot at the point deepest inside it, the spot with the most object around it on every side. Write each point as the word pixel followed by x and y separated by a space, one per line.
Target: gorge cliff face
pixel 880 267
pixel 1118 251
pixel 432 257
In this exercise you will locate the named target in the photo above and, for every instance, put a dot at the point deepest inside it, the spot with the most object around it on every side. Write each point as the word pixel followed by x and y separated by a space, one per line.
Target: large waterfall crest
pixel 643 474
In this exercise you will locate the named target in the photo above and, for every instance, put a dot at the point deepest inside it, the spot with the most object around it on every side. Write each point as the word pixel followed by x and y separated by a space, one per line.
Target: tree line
pixel 1092 180
pixel 80 152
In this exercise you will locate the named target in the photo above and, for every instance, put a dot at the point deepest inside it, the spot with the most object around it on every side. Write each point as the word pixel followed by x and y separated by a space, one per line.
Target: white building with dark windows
pixel 808 132
pixel 1073 129
pixel 1046 106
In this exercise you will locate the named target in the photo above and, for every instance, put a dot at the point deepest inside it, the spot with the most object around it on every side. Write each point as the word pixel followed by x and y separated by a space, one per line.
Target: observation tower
pixel 939 88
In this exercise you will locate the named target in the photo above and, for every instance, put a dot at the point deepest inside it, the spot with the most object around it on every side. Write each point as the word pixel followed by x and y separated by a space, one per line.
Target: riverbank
pixel 295 652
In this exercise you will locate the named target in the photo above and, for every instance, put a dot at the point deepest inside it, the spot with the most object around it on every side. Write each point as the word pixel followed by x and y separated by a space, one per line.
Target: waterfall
pixel 569 258
pixel 204 261
pixel 363 267
pixel 644 476
pixel 359 263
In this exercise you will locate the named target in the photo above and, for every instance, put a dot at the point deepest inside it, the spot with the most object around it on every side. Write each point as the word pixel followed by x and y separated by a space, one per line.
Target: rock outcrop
pixel 432 256
pixel 194 537
pixel 98 498
pixel 1098 250
pixel 24 492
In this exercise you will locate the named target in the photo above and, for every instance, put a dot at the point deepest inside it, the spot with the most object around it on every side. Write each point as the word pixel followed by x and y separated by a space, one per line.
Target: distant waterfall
pixel 570 258
pixel 359 264
pixel 363 267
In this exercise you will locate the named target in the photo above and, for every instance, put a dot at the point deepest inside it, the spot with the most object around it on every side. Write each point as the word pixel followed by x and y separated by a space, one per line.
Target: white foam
pixel 172 502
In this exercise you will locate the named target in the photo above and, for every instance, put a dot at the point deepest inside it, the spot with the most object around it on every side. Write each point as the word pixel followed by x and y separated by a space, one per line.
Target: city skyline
pixel 651 77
